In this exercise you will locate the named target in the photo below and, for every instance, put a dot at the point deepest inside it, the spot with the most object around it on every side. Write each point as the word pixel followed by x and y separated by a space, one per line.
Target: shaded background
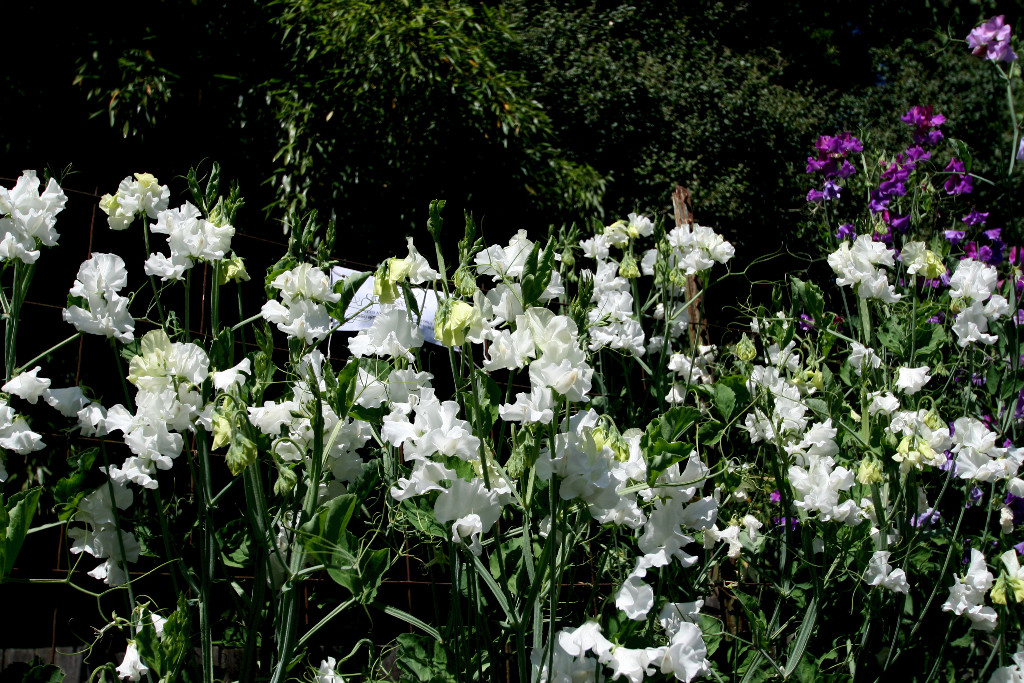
pixel 526 112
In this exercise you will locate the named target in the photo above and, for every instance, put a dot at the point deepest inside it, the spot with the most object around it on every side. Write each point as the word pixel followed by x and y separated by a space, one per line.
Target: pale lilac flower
pixel 992 39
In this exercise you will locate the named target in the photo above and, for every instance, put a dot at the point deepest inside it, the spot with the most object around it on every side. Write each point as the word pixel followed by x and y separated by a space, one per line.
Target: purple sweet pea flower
pixel 938 318
pixel 926 124
pixel 950 463
pixel 846 231
pixel 1020 151
pixel 775 497
pixel 954 236
pixel 974 497
pixel 1018 414
pixel 1016 505
pixel 975 217
pixel 846 170
pixel 897 222
pixel 1019 548
pixel 917 153
pixel 994 234
pixel 793 522
pixel 815 195
pixel 806 323
pixel 958 182
pixel 831 191
pixel 929 517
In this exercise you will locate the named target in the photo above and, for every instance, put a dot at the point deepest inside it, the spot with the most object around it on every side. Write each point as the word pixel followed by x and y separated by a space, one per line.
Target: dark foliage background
pixel 526 112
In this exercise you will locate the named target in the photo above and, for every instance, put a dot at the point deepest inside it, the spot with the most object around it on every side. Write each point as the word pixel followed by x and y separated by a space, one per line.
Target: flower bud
pixel 628 268
pixel 452 319
pixel 869 472
pixel 465 282
pixel 745 349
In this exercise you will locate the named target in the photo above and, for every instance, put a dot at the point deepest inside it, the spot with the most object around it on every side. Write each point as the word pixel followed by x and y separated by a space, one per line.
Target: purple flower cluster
pixel 958 181
pixel 846 231
pixel 992 40
pixel 991 253
pixel 926 125
pixel 833 163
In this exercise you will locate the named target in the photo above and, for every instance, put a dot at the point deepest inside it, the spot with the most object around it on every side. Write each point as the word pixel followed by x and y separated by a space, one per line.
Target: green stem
pixel 47 352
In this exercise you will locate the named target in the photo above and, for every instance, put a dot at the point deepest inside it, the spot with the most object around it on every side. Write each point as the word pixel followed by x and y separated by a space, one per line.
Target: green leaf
pixel 15 522
pixel 31 672
pixel 420 514
pixel 347 288
pixel 802 637
pixel 222 351
pixel 892 335
pixel 345 392
pixel 730 393
pixel 930 339
pixel 537 272
pixel 69 490
pixel 324 534
pixel 148 645
pixel 488 394
pixel 365 577
pixel 810 297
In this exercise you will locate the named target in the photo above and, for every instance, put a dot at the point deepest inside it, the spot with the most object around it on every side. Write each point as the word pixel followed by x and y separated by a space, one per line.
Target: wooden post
pixel 698 327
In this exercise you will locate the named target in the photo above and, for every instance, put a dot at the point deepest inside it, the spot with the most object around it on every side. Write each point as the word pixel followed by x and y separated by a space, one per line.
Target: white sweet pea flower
pixel 635 598
pixel 131 667
pixel 100 277
pixel 327 674
pixel 911 380
pixel 27 385
pixel 235 375
pixel 879 573
pixel 1013 673
pixel 67 401
pixel 686 655
pixel 967 594
pixel 972 280
pixel 472 508
pixel 28 217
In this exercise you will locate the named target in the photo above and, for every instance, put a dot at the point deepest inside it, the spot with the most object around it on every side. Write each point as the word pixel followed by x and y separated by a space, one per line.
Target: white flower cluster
pixel 817 482
pixel 977 456
pixel 613 322
pixel 594 461
pixel 28 217
pixel 102 538
pixel 301 313
pixel 924 439
pixel 967 594
pixel 684 657
pixel 191 238
pixel 289 423
pixel 105 312
pixel 168 376
pixel 881 573
pixel 689 369
pixel 142 195
pixel 694 249
pixel 857 267
pixel 559 365
pixel 433 434
pixel 974 282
